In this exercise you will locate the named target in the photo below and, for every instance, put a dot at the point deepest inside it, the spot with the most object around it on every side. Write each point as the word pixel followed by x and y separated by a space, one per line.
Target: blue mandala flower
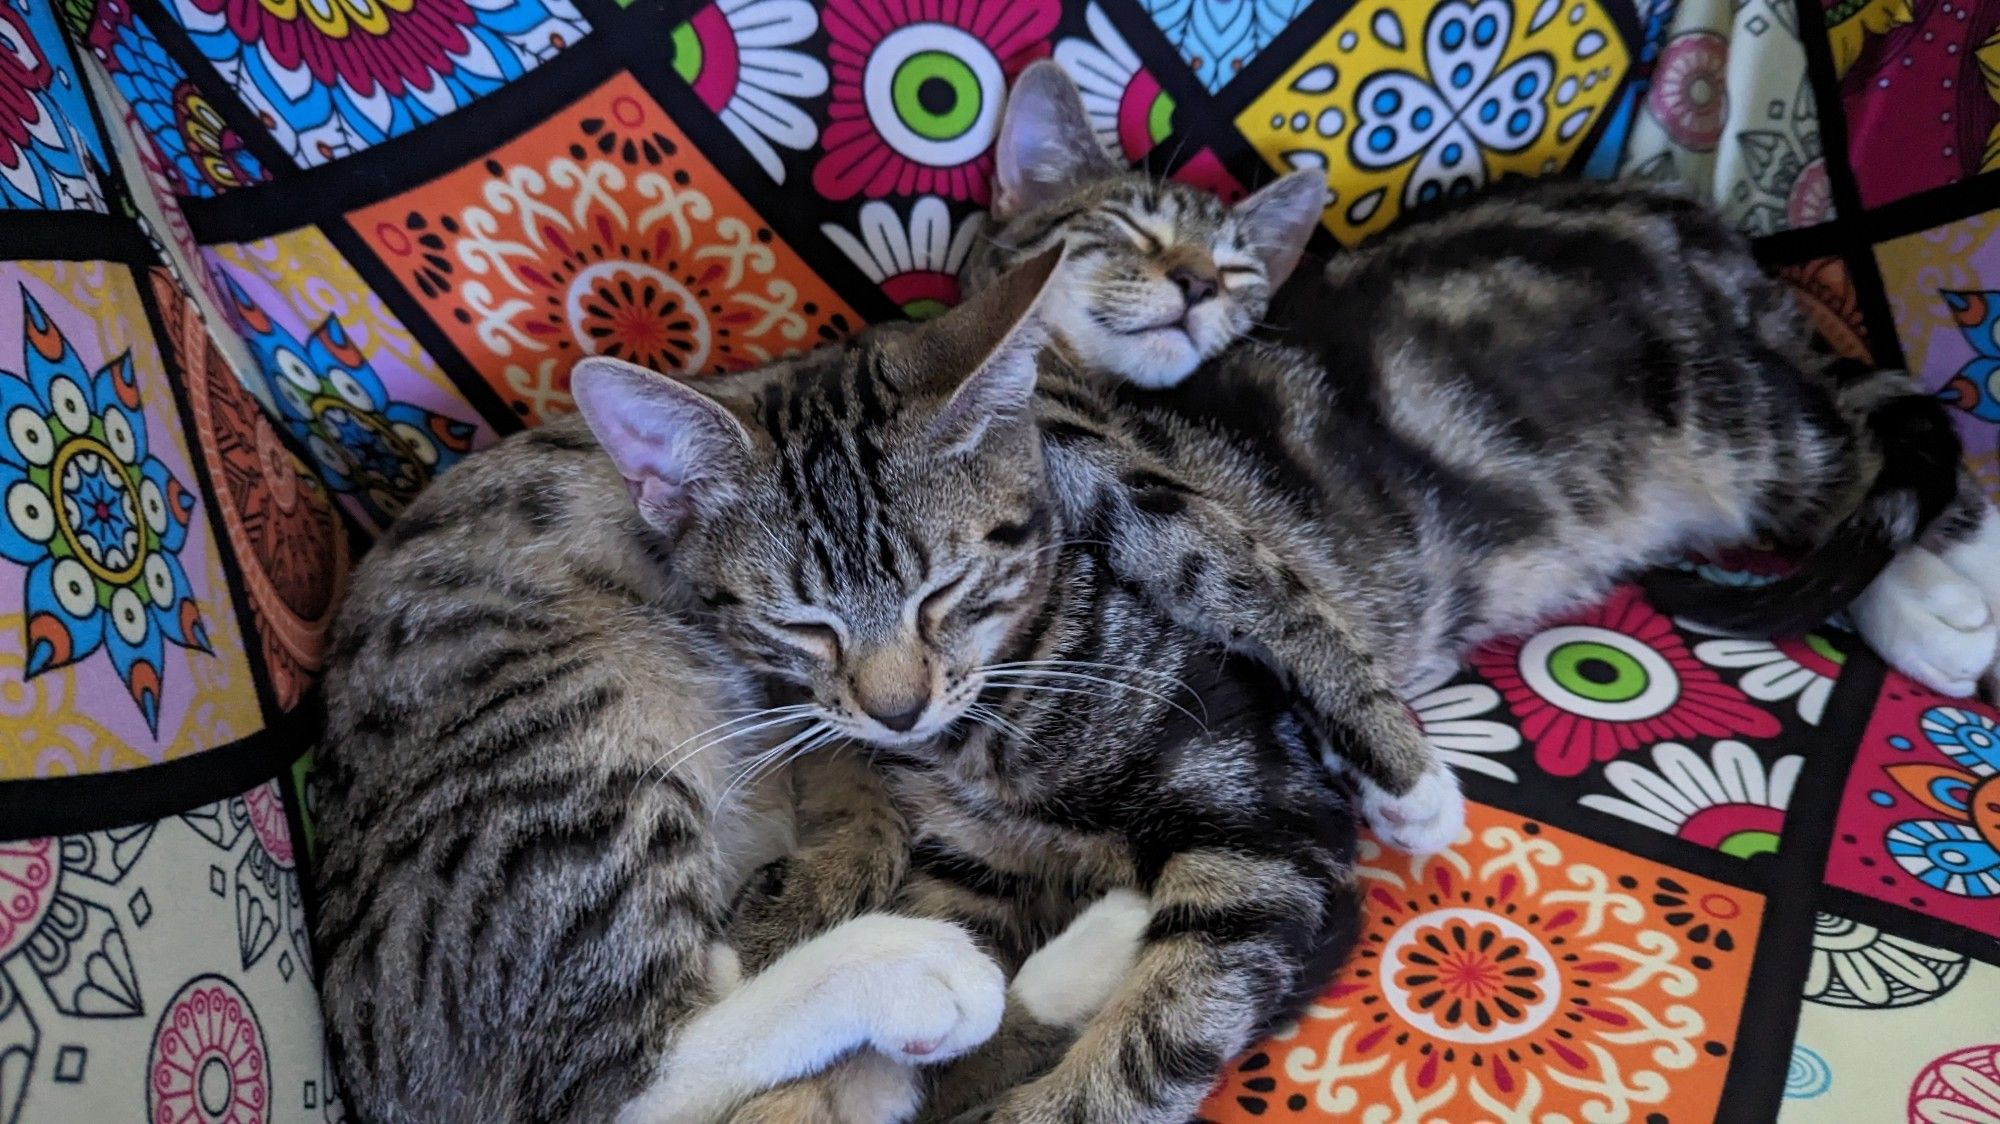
pixel 1959 854
pixel 1465 103
pixel 97 520
pixel 201 153
pixel 367 445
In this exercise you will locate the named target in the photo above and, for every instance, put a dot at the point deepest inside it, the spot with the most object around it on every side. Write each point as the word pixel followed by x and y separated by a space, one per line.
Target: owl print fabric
pixel 267 269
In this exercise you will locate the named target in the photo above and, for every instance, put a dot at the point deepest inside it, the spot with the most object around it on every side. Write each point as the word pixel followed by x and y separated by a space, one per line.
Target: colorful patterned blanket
pixel 271 266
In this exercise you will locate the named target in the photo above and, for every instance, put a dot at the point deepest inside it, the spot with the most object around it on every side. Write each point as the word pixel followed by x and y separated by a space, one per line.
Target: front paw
pixel 1069 980
pixel 1423 821
pixel 933 993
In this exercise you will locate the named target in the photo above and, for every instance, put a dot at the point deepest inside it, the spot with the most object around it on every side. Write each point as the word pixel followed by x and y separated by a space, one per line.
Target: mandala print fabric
pixel 267 269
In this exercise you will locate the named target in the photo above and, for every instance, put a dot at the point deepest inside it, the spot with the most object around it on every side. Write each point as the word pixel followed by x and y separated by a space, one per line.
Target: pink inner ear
pixel 664 503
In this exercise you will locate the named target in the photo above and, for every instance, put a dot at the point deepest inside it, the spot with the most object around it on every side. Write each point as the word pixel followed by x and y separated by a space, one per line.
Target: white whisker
pixel 771 760
pixel 774 716
pixel 1006 680
pixel 1021 669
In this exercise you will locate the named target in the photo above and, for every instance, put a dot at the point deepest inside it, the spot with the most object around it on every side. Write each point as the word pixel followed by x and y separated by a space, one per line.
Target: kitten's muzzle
pixel 892 685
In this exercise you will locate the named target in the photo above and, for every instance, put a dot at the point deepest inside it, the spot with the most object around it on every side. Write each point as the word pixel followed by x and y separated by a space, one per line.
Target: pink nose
pixel 1195 287
pixel 901 720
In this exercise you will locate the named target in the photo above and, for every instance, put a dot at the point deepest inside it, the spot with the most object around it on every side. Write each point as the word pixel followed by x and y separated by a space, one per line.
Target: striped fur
pixel 884 544
pixel 539 796
pixel 530 870
pixel 1477 422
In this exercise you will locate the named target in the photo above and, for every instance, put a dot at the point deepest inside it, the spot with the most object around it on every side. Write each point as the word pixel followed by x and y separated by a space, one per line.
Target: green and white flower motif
pixel 1730 801
pixel 1802 668
pixel 1454 720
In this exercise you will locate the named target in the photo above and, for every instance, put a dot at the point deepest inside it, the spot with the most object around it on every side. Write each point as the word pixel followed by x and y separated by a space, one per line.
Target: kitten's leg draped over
pixel 853 850
pixel 1055 994
pixel 1199 564
pixel 1056 991
pixel 1216 972
pixel 911 990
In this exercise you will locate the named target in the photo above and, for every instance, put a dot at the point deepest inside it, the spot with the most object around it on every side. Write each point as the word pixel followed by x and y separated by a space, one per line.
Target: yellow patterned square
pixel 1406 103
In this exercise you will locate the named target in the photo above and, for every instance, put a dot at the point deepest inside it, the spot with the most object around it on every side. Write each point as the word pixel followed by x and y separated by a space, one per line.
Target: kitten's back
pixel 512 877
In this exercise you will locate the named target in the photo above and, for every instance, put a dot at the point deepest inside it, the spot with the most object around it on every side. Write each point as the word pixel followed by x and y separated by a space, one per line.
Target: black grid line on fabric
pixel 1905 921
pixel 457 369
pixel 1857 251
pixel 1768 1017
pixel 1934 207
pixel 1801 244
pixel 32 807
pixel 72 236
pixel 322 194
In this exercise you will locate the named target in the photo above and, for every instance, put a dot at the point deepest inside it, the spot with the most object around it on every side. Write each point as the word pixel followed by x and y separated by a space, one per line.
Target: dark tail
pixel 1919 452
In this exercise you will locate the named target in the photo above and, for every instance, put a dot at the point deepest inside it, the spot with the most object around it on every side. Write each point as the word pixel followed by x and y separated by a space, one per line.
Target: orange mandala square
pixel 603 231
pixel 1524 974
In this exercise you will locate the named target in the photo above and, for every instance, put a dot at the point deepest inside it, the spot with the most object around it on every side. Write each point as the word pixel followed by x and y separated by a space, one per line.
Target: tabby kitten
pixel 537 805
pixel 1473 424
pixel 881 539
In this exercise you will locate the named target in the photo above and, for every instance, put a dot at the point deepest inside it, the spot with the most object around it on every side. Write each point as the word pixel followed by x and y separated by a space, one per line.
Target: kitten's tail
pixel 1917 450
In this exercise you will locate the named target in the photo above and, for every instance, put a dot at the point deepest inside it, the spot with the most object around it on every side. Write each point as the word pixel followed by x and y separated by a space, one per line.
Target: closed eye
pixel 939 599
pixel 1147 241
pixel 816 636
pixel 1014 534
pixel 980 610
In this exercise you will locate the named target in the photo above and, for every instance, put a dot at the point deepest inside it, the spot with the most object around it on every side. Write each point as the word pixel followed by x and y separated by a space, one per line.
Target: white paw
pixel 1929 622
pixel 926 991
pixel 1422 821
pixel 876 1090
pixel 1070 979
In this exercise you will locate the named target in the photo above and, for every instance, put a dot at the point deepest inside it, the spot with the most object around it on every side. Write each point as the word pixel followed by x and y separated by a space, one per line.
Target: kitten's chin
pixel 1154 359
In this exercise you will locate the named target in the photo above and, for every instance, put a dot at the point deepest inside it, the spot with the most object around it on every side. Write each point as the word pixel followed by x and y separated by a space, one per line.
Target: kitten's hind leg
pixel 1056 993
pixel 1235 944
pixel 1216 578
pixel 912 990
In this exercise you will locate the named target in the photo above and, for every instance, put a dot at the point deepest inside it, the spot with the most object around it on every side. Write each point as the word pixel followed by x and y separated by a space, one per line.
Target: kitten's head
pixel 1158 276
pixel 866 522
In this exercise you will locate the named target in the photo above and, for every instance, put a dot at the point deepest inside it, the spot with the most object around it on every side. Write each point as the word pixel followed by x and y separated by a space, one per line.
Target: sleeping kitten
pixel 880 540
pixel 1507 408
pixel 537 804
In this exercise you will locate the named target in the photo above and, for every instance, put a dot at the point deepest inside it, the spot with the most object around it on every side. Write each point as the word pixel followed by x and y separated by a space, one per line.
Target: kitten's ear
pixel 1046 147
pixel 675 446
pixel 1277 221
pixel 986 347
